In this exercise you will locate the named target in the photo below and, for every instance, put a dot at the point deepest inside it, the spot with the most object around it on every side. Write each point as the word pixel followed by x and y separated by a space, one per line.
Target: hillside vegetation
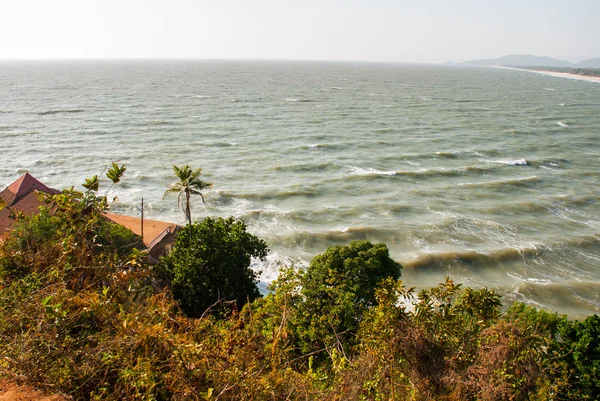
pixel 83 313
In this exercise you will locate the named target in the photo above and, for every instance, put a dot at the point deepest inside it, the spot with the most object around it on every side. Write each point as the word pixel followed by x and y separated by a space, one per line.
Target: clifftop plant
pixel 337 288
pixel 69 233
pixel 211 263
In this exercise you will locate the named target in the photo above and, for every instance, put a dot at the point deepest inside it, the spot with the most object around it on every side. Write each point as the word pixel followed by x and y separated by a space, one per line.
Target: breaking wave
pixel 493 259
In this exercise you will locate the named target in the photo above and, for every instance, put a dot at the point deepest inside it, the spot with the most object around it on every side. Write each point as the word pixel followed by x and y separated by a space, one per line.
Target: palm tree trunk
pixel 188 212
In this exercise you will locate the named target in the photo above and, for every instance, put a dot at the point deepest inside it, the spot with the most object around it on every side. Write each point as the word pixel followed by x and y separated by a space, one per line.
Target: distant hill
pixel 521 60
pixel 592 63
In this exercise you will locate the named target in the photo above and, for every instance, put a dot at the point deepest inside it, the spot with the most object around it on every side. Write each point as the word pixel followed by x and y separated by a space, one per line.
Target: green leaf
pixel 46 300
pixel 116 172
pixel 91 184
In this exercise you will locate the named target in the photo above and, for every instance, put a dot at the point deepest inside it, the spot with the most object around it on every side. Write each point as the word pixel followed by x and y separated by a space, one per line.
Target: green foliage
pixel 189 184
pixel 212 264
pixel 91 184
pixel 115 173
pixel 539 320
pixel 69 232
pixel 577 346
pixel 337 288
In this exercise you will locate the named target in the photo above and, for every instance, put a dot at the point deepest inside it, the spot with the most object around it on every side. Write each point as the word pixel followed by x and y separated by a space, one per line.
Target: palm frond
pixel 189 184
pixel 175 188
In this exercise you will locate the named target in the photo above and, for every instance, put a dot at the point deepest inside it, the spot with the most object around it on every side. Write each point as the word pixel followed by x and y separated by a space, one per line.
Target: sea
pixel 489 176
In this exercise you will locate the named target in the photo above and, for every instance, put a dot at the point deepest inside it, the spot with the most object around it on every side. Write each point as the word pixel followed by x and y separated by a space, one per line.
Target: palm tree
pixel 189 184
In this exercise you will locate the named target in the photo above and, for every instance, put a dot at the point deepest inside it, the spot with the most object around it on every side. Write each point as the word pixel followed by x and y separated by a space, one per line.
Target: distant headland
pixel 516 60
pixel 586 68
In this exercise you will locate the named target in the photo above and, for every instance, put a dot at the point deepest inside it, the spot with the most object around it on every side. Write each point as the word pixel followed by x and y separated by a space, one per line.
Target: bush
pixel 66 234
pixel 213 265
pixel 578 347
pixel 337 288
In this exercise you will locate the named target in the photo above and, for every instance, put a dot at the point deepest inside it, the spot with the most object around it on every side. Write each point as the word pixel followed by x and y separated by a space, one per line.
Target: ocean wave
pixel 321 146
pixel 442 172
pixel 579 299
pixel 549 162
pixel 225 197
pixel 519 208
pixel 435 155
pixel 51 112
pixel 222 144
pixel 446 155
pixel 369 172
pixel 515 182
pixel 509 162
pixel 158 122
pixel 319 241
pixel 465 258
pixel 577 200
pixel 493 259
pixel 304 167
pixel 423 173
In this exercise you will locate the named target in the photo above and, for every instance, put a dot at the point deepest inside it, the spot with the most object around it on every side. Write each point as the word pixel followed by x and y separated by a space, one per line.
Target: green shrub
pixel 577 345
pixel 337 288
pixel 213 265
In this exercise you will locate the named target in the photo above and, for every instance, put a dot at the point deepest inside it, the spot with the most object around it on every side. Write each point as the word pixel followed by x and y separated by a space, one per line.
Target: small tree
pixel 189 184
pixel 337 288
pixel 211 263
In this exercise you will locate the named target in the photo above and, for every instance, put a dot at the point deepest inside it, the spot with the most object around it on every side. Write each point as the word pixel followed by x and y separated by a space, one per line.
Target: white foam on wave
pixel 412 163
pixel 520 162
pixel 269 268
pixel 369 171
pixel 539 281
pixel 508 162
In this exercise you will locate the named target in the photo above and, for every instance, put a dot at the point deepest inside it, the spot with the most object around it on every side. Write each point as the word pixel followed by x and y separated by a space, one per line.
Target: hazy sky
pixel 369 30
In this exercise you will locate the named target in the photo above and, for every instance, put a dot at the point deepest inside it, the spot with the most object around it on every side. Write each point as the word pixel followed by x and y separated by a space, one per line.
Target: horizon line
pixel 217 59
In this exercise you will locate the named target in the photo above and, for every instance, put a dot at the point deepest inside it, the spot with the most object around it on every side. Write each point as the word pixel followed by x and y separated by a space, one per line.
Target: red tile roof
pixel 22 196
pixel 28 205
pixel 23 186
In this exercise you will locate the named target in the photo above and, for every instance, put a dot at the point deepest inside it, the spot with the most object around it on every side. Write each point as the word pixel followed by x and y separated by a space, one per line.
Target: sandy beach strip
pixel 556 74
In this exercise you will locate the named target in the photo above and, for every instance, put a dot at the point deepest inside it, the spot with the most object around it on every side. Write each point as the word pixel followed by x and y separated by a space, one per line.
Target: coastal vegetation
pixel 210 265
pixel 84 313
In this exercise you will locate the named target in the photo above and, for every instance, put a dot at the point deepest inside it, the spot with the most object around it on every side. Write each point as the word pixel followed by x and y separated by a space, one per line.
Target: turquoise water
pixel 490 176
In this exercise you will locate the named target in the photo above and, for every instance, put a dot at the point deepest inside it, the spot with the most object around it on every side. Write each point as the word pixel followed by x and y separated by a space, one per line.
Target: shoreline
pixel 555 74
